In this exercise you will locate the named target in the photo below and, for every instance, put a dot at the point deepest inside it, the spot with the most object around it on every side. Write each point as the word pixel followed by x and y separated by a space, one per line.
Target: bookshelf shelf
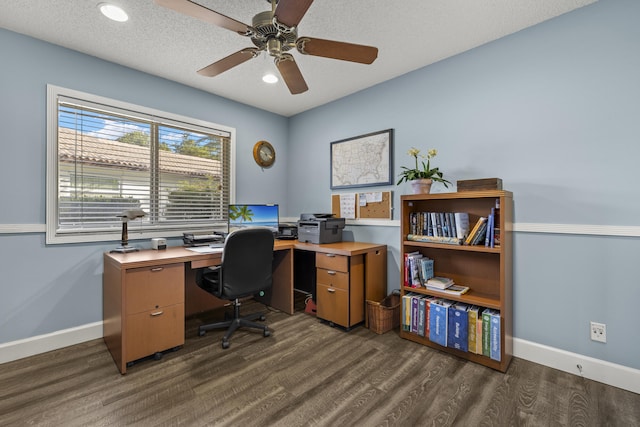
pixel 487 271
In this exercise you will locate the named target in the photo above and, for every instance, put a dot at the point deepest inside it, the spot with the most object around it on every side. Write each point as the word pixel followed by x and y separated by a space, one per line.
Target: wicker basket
pixel 384 315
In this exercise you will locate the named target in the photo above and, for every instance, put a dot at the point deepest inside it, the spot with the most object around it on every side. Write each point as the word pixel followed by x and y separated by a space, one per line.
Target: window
pixel 105 156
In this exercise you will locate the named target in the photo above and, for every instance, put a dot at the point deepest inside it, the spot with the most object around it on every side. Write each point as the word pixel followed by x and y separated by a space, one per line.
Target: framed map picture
pixel 362 161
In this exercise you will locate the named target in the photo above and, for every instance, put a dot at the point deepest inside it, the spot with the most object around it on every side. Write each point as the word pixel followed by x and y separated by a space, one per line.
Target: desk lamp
pixel 126 216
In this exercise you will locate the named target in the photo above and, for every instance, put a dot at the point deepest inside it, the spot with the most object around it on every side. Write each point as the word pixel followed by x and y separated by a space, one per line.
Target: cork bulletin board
pixel 373 205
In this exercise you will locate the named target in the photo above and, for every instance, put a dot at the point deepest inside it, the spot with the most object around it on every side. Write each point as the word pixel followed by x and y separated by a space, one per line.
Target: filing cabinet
pixel 143 311
pixel 340 288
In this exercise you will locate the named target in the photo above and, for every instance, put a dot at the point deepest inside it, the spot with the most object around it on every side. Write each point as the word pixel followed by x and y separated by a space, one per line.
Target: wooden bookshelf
pixel 487 271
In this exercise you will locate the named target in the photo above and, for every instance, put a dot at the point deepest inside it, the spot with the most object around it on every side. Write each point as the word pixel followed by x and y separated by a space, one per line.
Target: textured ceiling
pixel 409 34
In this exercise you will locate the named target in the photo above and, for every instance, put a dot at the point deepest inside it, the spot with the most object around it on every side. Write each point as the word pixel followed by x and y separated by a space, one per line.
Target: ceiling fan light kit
pixel 274 32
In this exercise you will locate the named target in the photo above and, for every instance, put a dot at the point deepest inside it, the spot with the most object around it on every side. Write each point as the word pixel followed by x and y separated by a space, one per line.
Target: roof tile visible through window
pixel 102 151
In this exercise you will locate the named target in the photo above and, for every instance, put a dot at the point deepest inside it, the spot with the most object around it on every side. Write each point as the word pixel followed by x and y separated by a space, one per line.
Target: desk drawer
pixel 333 305
pixel 153 287
pixel 154 331
pixel 332 262
pixel 332 278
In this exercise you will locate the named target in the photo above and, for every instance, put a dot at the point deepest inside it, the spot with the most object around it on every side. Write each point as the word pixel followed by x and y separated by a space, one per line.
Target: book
pixel 413 222
pixel 458 326
pixel 439 224
pixel 406 311
pixel 452 226
pixel 426 267
pixel 422 314
pixel 447 224
pixel 494 352
pixel 414 268
pixel 425 223
pixel 486 333
pixel 414 313
pixel 428 300
pixel 434 239
pixel 407 269
pixel 462 224
pixel 453 289
pixel 439 282
pixel 472 317
pixel 438 314
pixel 489 232
pixel 480 233
pixel 479 332
pixel 474 230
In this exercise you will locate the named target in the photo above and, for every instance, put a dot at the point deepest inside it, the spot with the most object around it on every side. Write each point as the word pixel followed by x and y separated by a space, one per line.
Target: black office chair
pixel 246 270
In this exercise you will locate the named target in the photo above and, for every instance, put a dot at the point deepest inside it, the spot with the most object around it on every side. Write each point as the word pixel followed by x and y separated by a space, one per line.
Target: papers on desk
pixel 205 249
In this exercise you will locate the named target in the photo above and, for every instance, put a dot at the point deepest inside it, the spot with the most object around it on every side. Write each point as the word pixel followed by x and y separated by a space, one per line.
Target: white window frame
pixel 52 237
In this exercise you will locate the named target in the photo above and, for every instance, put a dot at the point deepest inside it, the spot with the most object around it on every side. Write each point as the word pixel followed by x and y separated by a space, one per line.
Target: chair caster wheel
pixel 266 333
pixel 201 333
pixel 157 356
pixel 225 345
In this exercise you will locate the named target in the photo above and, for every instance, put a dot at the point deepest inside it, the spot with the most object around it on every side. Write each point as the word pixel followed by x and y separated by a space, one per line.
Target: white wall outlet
pixel 598 332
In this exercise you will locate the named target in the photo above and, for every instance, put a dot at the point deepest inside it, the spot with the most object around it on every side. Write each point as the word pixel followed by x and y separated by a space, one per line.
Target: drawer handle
pixel 331 290
pixel 333 273
pixel 156 269
pixel 331 255
pixel 157 313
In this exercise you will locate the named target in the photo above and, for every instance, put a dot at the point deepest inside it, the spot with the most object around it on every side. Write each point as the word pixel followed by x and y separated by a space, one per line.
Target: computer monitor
pixel 243 216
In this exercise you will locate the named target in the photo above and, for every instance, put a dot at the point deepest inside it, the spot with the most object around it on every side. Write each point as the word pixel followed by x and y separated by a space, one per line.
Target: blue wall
pixel 50 288
pixel 552 110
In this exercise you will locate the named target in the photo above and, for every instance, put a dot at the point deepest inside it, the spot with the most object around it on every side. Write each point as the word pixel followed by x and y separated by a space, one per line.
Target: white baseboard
pixel 594 369
pixel 43 343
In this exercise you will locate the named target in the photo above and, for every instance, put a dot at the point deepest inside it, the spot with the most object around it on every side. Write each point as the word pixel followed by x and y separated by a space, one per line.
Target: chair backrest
pixel 247 261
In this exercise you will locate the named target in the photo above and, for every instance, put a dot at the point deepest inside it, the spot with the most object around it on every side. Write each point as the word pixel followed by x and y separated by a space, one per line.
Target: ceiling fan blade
pixel 337 50
pixel 291 74
pixel 229 62
pixel 192 9
pixel 290 12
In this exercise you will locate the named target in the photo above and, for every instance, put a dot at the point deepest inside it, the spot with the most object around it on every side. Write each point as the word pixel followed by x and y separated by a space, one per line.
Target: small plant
pixel 426 172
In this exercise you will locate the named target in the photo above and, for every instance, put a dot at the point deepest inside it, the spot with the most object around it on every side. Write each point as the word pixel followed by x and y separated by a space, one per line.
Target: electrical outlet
pixel 598 332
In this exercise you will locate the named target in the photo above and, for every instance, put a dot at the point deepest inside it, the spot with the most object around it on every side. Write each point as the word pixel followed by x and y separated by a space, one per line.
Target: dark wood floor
pixel 305 374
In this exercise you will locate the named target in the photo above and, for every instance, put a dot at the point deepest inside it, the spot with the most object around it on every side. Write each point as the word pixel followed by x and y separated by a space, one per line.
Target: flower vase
pixel 421 186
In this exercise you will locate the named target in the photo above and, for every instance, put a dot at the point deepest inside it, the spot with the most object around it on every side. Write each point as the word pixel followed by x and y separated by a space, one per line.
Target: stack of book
pixel 446 285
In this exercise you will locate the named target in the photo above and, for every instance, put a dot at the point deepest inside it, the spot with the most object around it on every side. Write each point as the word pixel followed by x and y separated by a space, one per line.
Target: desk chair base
pixel 235 323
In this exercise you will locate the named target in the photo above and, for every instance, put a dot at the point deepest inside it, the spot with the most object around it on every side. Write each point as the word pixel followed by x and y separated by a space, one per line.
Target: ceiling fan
pixel 274 31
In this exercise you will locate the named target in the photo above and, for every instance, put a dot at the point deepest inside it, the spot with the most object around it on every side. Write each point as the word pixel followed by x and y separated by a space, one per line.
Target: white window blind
pixel 110 157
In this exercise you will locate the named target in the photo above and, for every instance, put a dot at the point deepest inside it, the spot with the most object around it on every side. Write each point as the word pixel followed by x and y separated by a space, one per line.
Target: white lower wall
pixel 43 343
pixel 593 369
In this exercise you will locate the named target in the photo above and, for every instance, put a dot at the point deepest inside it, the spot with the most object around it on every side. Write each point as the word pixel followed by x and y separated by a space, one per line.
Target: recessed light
pixel 269 78
pixel 113 12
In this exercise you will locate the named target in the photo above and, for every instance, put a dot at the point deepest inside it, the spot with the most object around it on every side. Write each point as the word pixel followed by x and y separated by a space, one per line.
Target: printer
pixel 320 228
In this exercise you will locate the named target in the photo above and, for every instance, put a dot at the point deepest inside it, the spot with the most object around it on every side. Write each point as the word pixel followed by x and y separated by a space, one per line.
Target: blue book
pixel 487 236
pixel 438 313
pixel 458 327
pixel 495 335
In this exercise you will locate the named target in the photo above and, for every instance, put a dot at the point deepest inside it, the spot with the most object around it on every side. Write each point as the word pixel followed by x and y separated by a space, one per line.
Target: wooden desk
pixel 147 294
